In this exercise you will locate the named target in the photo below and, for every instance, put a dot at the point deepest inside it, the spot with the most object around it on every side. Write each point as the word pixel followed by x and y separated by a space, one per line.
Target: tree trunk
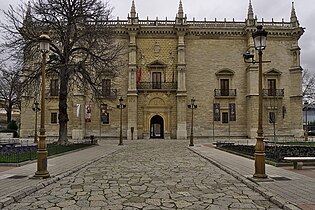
pixel 63 113
pixel 9 109
pixel 9 114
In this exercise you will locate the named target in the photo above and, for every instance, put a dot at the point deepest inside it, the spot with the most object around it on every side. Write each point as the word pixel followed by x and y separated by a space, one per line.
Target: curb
pixel 277 200
pixel 22 193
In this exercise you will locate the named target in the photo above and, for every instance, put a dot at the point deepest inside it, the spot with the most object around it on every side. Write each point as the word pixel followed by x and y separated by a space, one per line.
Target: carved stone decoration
pixel 131 100
pixel 156 102
pixel 156 49
pixel 181 100
pixel 295 59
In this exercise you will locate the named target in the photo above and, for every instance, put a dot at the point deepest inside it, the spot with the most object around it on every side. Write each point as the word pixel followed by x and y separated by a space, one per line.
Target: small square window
pixel 53 118
pixel 225 117
pixel 104 114
pixel 105 118
pixel 272 117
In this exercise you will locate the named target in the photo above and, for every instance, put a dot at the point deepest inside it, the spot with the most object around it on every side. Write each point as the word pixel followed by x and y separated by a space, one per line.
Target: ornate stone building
pixel 169 62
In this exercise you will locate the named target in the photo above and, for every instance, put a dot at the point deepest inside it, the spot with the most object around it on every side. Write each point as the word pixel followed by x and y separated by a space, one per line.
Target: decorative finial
pixel 250 14
pixel 133 10
pixel 293 19
pixel 180 10
pixel 293 14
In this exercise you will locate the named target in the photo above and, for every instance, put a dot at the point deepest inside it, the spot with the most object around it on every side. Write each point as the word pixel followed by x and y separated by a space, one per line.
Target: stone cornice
pixel 295 69
pixel 202 28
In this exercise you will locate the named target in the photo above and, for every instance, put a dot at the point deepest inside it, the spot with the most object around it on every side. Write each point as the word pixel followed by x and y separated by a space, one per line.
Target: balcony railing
pixel 166 86
pixel 107 93
pixel 273 92
pixel 224 92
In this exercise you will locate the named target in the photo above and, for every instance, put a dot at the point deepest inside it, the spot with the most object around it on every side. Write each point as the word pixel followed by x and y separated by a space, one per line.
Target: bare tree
pixel 83 46
pixel 10 90
pixel 308 85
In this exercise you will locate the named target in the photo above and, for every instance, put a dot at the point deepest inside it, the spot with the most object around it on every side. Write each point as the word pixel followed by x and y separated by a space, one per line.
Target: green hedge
pixel 26 153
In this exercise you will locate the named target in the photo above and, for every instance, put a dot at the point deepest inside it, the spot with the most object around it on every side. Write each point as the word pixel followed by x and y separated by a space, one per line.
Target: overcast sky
pixel 229 9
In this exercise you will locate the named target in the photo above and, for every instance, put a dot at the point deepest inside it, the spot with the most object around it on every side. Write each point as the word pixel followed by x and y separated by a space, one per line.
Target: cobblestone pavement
pixel 147 175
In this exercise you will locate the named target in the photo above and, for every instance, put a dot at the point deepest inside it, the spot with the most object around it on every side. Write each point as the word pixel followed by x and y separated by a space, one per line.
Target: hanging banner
pixel 149 73
pixel 164 73
pixel 104 114
pixel 216 112
pixel 139 74
pixel 232 111
pixel 88 113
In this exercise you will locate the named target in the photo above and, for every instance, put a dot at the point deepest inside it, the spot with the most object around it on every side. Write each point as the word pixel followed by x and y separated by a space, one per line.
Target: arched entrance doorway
pixel 156 127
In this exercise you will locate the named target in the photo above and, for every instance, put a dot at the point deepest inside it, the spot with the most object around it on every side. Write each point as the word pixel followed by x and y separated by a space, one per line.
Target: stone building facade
pixel 169 62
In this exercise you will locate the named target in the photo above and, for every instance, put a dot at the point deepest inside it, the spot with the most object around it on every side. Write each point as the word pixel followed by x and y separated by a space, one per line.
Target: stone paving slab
pixel 147 175
pixel 287 188
pixel 17 182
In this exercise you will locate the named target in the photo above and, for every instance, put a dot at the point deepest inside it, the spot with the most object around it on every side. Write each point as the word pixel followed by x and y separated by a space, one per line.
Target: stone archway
pixel 156 127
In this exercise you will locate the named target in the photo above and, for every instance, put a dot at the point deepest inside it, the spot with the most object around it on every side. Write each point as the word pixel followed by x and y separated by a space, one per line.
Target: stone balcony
pixel 222 93
pixel 157 86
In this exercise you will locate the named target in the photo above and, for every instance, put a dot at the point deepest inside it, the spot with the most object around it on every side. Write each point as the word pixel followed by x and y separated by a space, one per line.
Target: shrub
pixel 12 125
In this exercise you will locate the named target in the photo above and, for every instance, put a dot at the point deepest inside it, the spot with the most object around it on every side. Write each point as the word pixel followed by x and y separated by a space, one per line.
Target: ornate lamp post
pixel 260 38
pixel 35 109
pixel 42 153
pixel 121 106
pixel 192 106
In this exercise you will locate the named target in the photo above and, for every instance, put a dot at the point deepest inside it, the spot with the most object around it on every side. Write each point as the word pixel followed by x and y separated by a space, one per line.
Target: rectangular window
pixel 105 118
pixel 54 87
pixel 106 86
pixel 224 86
pixel 53 118
pixel 156 80
pixel 225 117
pixel 272 117
pixel 104 114
pixel 272 87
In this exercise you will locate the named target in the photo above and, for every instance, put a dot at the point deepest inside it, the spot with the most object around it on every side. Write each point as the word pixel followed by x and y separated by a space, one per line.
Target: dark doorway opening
pixel 156 127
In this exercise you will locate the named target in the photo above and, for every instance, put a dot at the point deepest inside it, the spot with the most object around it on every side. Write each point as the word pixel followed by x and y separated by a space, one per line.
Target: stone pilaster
pixel 252 100
pixel 132 96
pixel 252 91
pixel 295 108
pixel 181 88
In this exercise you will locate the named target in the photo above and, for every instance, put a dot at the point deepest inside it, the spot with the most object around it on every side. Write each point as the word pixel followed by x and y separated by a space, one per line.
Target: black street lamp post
pixel 260 38
pixel 192 106
pixel 121 106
